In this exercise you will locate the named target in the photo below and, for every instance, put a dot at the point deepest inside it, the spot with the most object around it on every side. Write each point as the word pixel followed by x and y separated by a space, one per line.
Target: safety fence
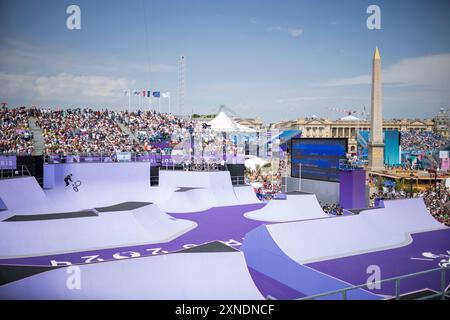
pixel 397 281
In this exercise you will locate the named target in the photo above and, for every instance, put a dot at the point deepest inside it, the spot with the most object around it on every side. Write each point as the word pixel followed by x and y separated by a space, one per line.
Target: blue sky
pixel 272 59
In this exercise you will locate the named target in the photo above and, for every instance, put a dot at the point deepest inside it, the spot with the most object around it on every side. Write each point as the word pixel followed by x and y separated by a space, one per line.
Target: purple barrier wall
pixel 8 162
pixel 352 189
pixel 49 176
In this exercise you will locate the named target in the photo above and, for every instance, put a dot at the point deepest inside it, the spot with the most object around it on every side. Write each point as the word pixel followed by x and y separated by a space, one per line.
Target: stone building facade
pixel 347 127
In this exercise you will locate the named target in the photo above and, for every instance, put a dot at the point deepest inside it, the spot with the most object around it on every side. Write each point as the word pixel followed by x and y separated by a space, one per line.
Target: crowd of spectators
pixel 87 131
pixel 152 128
pixel 83 131
pixel 421 141
pixel 267 186
pixel 436 198
pixel 15 134
pixel 333 209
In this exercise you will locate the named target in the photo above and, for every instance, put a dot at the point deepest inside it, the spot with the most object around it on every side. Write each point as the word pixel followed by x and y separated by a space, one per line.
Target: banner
pixel 443 154
pixel 8 162
pixel 123 156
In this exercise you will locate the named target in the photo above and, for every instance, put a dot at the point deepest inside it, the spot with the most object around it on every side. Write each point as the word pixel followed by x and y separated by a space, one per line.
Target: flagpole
pixel 159 105
pixel 169 103
pixel 129 102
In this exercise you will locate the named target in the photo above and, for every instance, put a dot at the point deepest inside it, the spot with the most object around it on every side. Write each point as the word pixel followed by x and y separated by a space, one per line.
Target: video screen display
pixel 319 158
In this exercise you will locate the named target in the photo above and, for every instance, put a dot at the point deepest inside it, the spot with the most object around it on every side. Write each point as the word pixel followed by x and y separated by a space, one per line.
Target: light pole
pixel 299 177
pixel 285 177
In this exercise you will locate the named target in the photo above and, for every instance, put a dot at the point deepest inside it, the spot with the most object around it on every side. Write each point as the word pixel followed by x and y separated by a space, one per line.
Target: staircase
pixel 127 131
pixel 38 139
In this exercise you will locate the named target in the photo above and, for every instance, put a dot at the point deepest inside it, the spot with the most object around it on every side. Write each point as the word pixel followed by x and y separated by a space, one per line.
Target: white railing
pixel 20 171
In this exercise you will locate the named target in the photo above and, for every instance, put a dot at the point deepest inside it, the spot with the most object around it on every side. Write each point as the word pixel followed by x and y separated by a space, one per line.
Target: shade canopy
pixel 224 123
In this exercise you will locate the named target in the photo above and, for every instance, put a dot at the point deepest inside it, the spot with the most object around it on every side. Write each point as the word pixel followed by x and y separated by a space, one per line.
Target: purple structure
pixel 8 162
pixel 352 189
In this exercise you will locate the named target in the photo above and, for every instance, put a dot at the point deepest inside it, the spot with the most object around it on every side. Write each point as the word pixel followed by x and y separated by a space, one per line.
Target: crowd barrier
pixel 154 158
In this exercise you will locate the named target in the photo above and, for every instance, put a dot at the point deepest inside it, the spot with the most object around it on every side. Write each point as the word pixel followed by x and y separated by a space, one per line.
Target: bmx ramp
pixel 282 250
pixel 197 190
pixel 102 184
pixel 42 235
pixel 246 195
pixel 189 275
pixel 295 207
pixel 22 193
pixel 192 200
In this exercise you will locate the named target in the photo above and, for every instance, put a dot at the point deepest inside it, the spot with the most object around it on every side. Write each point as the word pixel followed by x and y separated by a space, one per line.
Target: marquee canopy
pixel 224 123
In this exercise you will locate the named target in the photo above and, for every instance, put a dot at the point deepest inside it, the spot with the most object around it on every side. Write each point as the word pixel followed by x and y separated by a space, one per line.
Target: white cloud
pixel 432 71
pixel 293 32
pixel 154 68
pixel 17 55
pixel 34 74
pixel 275 28
pixel 63 87
pixel 298 99
pixel 296 32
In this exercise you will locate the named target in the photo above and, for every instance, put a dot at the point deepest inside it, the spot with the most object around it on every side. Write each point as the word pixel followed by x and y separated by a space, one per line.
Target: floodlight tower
pixel 181 84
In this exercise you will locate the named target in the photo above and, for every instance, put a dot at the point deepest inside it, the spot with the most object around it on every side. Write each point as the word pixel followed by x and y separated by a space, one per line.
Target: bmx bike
pixel 75 185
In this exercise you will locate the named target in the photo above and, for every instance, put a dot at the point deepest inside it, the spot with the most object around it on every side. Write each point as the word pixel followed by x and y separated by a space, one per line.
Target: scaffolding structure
pixel 181 84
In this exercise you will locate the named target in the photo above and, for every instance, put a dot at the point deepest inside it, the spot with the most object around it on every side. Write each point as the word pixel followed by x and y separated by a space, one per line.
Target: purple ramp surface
pixel 226 224
pixel 429 250
pixel 263 255
pixel 371 230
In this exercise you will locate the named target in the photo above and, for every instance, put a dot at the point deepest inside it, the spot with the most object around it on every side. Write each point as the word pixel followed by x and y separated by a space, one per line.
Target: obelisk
pixel 376 145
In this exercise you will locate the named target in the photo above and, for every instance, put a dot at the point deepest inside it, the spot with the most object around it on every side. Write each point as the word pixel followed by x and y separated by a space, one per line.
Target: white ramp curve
pixel 371 230
pixel 22 193
pixel 144 225
pixel 204 190
pixel 177 276
pixel 246 195
pixel 296 207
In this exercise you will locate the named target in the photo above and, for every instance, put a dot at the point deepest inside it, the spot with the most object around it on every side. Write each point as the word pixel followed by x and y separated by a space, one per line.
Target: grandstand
pixel 122 194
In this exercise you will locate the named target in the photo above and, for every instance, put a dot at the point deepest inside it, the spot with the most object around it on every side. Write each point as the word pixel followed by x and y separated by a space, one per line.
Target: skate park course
pixel 284 242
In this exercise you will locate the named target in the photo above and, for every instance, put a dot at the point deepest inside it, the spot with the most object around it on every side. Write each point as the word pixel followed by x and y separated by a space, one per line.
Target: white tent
pixel 224 123
pixel 253 161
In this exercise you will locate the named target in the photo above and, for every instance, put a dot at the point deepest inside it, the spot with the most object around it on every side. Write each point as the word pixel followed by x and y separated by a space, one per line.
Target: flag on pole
pixel 136 92
pixel 126 93
pixel 144 93
pixel 165 94
pixel 149 93
pixel 156 94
